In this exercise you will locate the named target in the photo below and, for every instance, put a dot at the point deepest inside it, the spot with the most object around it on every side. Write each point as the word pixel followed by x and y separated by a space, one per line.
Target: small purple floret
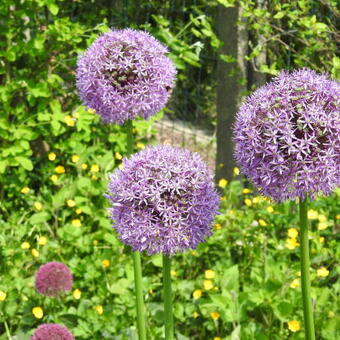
pixel 51 331
pixel 163 200
pixel 53 279
pixel 287 136
pixel 124 74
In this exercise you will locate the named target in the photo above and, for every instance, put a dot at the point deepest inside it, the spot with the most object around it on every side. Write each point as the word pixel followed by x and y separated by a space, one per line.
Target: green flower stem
pixel 169 321
pixel 137 266
pixel 305 264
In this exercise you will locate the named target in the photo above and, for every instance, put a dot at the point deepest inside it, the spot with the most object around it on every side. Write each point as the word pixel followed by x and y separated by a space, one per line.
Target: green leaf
pixel 26 163
pixel 279 15
pixel 40 217
pixel 52 6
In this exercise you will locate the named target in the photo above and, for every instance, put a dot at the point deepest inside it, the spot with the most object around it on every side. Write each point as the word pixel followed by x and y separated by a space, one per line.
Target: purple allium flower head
pixel 163 200
pixel 287 135
pixel 53 279
pixel 124 74
pixel 52 331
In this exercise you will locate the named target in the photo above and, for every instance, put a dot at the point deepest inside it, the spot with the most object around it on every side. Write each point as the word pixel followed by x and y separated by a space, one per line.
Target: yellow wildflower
pixel 292 233
pixel 194 252
pixel 25 190
pixel 246 191
pixel 69 120
pixel 322 218
pixel 337 217
pixel 76 222
pixel 218 226
pixel 25 245
pixel 270 209
pixel 76 294
pixel 35 253
pixel 247 202
pixel 295 283
pixel 195 315
pixel 140 145
pixel 323 225
pixel 217 338
pixel 118 156
pixel 236 171
pixel 94 168
pixel 37 206
pixel 209 274
pixel 312 214
pixel 294 325
pixel 52 156
pixel 222 183
pixel 76 114
pixel 322 272
pixel 59 169
pixel 99 310
pixel 3 295
pixel 78 211
pixel 291 243
pixel 121 166
pixel 208 284
pixel 38 312
pixel 197 294
pixel 94 177
pixel 105 263
pixel 75 159
pixel 262 222
pixel 71 203
pixel 215 315
pixel 173 273
pixel 257 199
pixel 331 314
pixel 54 178
pixel 322 239
pixel 91 110
pixel 84 166
pixel 42 240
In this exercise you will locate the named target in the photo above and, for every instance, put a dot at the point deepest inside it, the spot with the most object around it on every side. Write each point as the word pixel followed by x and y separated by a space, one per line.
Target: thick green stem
pixel 168 317
pixel 141 326
pixel 305 264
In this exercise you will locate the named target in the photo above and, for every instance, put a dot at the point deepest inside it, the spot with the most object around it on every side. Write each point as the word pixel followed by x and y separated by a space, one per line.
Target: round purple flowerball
pixel 51 331
pixel 53 279
pixel 124 74
pixel 163 200
pixel 287 136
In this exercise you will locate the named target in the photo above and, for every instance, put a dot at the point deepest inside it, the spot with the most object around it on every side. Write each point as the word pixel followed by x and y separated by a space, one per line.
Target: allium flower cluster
pixel 53 279
pixel 124 74
pixel 163 200
pixel 287 135
pixel 51 331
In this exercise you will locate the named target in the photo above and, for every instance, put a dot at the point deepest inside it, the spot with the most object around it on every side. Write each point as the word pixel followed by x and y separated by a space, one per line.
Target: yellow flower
pixel 222 183
pixel 312 214
pixel 209 274
pixel 38 312
pixel 140 145
pixel 322 218
pixel 94 168
pixel 322 239
pixel 54 178
pixel 270 209
pixel 35 252
pixel 105 263
pixel 71 203
pixel 295 283
pixel 291 243
pixel 197 294
pixel 76 114
pixel 69 120
pixel 337 217
pixel 246 191
pixel 37 206
pixel 94 177
pixel 121 166
pixel 221 165
pixel 173 273
pixel 91 110
pixel 76 222
pixel 217 338
pixel 59 169
pixel 262 222
pixel 331 314
pixel 294 325
pixel 42 240
pixel 78 211
pixel 208 284
pixel 194 252
pixel 76 294
pixel 218 226
pixel 247 202
pixel 293 233
pixel 25 190
pixel 25 245
pixel 323 225
pixel 323 272
pixel 99 310
pixel 3 295
pixel 118 156
pixel 84 166
pixel 75 158
pixel 195 315
pixel 52 156
pixel 257 199
pixel 215 315
pixel 236 171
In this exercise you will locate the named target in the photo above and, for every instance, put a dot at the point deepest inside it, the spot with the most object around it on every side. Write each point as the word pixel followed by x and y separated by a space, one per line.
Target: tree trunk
pixel 231 83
